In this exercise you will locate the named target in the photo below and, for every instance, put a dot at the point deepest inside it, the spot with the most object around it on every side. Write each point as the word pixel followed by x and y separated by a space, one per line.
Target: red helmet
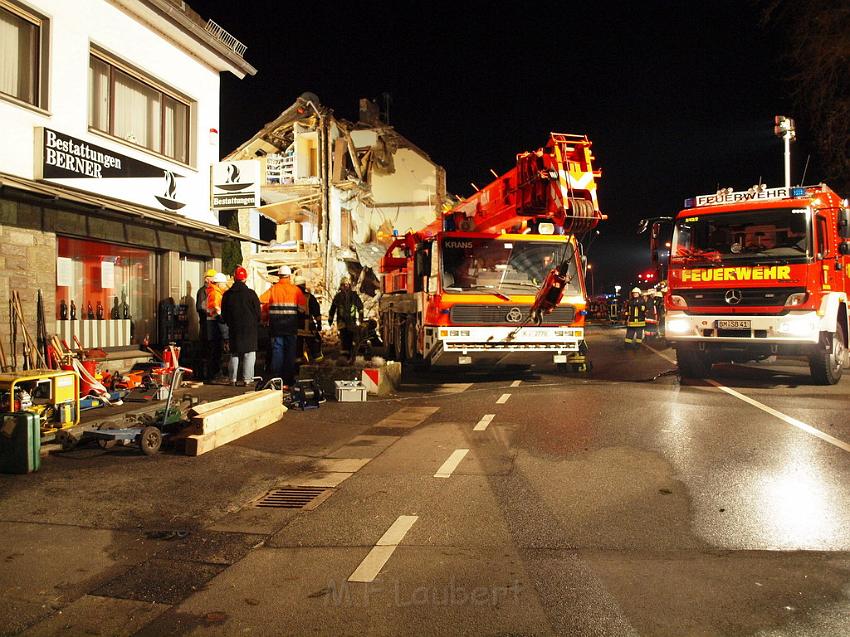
pixel 240 273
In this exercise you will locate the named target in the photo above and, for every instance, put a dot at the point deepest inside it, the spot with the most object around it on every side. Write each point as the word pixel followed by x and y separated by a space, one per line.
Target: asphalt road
pixel 620 503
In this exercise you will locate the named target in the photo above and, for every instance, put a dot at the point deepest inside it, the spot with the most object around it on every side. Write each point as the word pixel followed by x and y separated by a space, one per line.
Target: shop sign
pixel 61 157
pixel 236 184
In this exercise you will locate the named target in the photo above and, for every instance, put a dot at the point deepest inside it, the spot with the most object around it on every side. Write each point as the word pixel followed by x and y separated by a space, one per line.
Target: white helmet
pixel 636 291
pixel 284 270
pixel 299 280
pixel 220 277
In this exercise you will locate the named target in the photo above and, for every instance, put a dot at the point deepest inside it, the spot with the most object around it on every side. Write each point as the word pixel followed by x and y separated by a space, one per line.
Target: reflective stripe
pixel 278 312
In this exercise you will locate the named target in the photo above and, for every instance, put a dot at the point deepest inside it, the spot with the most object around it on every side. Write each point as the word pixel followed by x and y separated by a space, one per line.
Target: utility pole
pixel 784 127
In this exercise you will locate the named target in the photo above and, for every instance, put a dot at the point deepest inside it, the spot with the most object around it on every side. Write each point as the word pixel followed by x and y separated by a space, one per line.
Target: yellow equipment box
pixel 51 393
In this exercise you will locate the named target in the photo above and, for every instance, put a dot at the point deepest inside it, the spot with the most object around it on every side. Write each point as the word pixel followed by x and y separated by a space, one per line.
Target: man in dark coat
pixel 310 328
pixel 348 309
pixel 240 309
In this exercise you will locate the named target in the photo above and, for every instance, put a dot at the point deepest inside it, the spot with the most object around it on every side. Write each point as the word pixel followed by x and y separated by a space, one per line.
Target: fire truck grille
pixel 749 297
pixel 499 315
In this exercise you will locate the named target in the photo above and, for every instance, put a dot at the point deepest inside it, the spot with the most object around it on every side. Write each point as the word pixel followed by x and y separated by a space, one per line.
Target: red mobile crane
pixel 498 279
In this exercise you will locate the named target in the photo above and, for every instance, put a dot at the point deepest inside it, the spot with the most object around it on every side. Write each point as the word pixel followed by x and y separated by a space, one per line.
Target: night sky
pixel 677 98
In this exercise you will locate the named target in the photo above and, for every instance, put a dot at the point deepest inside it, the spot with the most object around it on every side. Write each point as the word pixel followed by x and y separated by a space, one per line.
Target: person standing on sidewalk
pixel 201 303
pixel 280 306
pixel 240 310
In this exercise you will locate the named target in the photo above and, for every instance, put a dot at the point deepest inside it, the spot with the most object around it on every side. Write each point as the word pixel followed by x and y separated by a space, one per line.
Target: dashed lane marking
pixel 451 464
pixel 383 550
pixel 770 410
pixel 482 424
pixel 516 383
pixel 503 399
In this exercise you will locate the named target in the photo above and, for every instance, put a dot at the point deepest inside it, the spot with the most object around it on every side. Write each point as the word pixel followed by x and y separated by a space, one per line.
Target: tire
pixel 826 365
pixel 693 363
pixel 150 440
pixel 411 349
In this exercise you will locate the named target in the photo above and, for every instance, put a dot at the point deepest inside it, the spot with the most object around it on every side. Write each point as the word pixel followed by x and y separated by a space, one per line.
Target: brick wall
pixel 27 264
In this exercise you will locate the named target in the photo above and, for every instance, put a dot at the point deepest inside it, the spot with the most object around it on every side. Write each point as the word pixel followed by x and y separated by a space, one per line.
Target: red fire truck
pixel 499 278
pixel 757 274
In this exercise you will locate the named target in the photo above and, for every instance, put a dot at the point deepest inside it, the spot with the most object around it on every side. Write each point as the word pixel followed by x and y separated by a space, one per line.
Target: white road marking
pixel 773 412
pixel 791 421
pixel 408 417
pixel 451 464
pixel 516 383
pixel 482 424
pixel 383 550
pixel 503 399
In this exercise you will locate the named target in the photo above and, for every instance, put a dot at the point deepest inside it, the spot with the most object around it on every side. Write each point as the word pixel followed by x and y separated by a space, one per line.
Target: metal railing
pixel 225 38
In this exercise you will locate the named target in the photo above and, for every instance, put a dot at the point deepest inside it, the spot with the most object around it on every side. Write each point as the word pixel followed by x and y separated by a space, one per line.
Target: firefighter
pixel 348 309
pixel 635 319
pixel 281 304
pixel 201 303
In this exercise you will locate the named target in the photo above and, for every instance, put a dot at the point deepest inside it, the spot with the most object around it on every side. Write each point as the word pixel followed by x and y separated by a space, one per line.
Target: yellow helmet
pixel 210 273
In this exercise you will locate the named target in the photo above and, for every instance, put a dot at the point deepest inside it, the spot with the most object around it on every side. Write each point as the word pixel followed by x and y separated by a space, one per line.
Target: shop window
pixel 128 106
pixel 110 282
pixel 23 54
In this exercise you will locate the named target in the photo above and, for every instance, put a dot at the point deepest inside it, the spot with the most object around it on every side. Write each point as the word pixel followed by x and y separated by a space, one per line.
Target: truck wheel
pixel 693 363
pixel 410 339
pixel 827 365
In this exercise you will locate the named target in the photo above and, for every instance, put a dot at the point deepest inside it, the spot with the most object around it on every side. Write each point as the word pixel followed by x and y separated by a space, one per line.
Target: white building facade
pixel 109 112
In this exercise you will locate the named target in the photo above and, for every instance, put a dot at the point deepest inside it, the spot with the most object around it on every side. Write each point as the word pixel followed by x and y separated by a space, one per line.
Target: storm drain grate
pixel 290 497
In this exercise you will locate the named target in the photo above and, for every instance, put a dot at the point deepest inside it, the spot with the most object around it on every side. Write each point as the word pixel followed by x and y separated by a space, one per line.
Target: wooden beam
pixel 200 444
pixel 227 415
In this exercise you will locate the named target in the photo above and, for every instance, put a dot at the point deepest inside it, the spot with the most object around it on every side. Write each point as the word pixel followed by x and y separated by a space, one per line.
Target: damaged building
pixel 337 192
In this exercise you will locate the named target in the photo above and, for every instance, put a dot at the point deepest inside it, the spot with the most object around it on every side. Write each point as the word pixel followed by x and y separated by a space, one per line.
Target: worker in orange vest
pixel 217 333
pixel 281 305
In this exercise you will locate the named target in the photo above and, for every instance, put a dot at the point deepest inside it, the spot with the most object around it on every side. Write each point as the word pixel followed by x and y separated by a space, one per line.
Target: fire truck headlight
pixel 796 299
pixel 678 301
pixel 799 326
pixel 679 326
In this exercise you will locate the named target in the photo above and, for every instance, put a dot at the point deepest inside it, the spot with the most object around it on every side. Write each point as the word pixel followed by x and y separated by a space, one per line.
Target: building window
pixel 136 110
pixel 22 54
pixel 119 280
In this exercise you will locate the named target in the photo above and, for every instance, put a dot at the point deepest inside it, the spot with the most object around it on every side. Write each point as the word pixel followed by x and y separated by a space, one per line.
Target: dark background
pixel 678 98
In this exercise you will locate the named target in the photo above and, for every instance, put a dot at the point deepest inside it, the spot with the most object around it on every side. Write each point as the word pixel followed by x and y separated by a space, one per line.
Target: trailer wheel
pixel 693 363
pixel 150 441
pixel 826 365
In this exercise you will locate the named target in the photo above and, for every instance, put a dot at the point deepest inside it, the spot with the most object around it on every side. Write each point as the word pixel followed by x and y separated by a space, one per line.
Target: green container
pixel 20 442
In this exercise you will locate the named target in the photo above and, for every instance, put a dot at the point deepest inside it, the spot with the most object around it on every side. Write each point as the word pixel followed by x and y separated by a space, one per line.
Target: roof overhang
pixel 99 202
pixel 178 26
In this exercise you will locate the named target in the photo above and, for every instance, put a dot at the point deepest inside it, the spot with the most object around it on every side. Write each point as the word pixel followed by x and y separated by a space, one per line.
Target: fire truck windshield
pixel 781 234
pixel 480 265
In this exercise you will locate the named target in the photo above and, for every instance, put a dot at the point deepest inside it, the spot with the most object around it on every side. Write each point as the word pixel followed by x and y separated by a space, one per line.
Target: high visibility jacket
pixel 280 306
pixel 637 314
pixel 214 294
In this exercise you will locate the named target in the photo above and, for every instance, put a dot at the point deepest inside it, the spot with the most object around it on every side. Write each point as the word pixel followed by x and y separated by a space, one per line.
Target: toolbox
pixel 350 391
pixel 20 442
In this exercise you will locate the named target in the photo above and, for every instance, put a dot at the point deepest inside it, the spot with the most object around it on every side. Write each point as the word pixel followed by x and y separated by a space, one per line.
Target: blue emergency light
pixel 690 202
pixel 798 191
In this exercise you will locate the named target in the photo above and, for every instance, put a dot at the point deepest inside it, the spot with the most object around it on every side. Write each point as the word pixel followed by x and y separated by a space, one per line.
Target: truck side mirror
pixel 844 223
pixel 422 263
pixel 653 242
pixel 844 248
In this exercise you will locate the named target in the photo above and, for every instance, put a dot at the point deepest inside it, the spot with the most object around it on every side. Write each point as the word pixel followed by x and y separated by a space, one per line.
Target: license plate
pixel 733 325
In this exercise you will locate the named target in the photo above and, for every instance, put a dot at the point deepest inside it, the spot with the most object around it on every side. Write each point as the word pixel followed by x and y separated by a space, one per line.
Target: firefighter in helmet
pixel 635 319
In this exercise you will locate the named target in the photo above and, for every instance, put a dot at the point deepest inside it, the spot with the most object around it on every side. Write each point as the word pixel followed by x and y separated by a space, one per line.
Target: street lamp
pixel 784 127
pixel 592 281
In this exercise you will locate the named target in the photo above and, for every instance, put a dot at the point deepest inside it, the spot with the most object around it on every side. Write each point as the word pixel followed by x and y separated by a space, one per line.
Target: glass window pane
pixel 176 123
pixel 18 57
pixel 99 94
pixel 137 112
pixel 129 271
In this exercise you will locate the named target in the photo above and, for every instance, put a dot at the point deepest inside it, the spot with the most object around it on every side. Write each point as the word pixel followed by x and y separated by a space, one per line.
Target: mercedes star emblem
pixel 514 315
pixel 733 297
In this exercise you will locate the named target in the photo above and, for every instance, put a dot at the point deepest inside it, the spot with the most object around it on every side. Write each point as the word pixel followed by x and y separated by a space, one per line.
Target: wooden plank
pixel 224 416
pixel 200 410
pixel 200 444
